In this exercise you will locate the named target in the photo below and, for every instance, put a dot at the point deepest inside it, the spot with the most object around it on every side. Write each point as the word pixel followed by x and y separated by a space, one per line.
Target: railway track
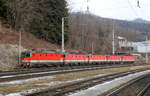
pixel 145 91
pixel 62 67
pixel 11 76
pixel 138 87
pixel 63 90
pixel 5 77
pixel 37 70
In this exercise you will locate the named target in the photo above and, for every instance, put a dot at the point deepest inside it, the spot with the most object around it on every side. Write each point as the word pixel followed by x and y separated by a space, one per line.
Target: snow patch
pixel 27 80
pixel 63 82
pixel 14 94
pixel 21 93
pixel 101 88
pixel 28 74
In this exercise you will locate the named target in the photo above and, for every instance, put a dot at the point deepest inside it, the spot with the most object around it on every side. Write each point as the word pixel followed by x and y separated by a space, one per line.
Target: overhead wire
pixel 142 11
pixel 83 3
pixel 134 11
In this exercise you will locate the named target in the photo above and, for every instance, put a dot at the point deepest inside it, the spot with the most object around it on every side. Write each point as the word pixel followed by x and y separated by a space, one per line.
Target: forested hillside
pixel 40 17
pixel 84 32
pixel 89 31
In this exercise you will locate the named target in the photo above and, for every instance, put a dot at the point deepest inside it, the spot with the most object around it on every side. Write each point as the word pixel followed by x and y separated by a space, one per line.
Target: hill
pixel 139 27
pixel 89 30
pixel 139 20
pixel 9 46
pixel 29 41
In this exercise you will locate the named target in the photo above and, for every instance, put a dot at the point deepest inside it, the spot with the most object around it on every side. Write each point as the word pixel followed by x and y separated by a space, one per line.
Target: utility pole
pixel 146 58
pixel 62 47
pixel 92 48
pixel 113 41
pixel 20 33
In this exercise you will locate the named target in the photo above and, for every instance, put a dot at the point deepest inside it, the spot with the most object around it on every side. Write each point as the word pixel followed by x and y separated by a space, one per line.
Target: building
pixel 125 45
pixel 130 46
pixel 142 47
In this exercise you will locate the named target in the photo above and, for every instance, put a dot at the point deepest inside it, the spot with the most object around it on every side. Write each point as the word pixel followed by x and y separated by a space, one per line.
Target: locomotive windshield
pixel 25 54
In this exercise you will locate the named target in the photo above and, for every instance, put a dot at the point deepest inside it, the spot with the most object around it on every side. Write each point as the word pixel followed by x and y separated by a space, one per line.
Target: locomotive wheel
pixel 26 65
pixel 70 64
pixel 21 65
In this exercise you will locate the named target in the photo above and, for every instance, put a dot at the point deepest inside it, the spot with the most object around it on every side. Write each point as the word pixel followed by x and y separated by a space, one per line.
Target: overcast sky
pixel 119 9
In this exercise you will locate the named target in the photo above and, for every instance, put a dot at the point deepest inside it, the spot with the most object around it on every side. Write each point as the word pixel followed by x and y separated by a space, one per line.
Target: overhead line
pixel 133 9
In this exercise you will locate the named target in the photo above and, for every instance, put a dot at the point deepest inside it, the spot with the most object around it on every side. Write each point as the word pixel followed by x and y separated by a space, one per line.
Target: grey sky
pixel 120 9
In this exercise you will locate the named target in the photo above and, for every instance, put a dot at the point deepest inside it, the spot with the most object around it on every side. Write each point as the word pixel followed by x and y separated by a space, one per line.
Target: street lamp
pixel 62 46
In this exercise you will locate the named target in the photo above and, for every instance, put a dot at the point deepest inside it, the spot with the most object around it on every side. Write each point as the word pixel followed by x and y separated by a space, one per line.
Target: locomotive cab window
pixel 25 54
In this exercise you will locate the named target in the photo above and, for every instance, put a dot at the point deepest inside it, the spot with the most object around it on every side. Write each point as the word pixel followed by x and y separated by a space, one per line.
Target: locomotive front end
pixel 25 59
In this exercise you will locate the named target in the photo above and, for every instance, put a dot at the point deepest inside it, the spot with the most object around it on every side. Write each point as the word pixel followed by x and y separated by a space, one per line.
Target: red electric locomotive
pixel 53 58
pixel 38 58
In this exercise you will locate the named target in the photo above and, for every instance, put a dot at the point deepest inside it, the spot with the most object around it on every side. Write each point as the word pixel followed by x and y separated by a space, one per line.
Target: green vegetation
pixel 41 17
pixel 3 10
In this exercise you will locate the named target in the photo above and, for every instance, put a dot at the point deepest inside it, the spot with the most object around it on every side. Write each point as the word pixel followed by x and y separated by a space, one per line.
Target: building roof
pixel 121 38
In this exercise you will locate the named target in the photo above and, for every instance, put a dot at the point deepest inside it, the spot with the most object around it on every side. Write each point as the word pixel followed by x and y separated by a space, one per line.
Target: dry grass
pixel 62 78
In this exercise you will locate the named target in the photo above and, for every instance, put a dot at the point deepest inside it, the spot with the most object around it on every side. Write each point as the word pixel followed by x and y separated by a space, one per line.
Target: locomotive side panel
pixel 128 59
pixel 73 59
pixel 114 59
pixel 95 59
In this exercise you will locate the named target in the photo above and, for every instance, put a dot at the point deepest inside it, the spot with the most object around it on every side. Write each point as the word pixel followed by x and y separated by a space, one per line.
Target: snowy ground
pixel 93 91
pixel 101 88
pixel 96 90
pixel 48 84
pixel 27 80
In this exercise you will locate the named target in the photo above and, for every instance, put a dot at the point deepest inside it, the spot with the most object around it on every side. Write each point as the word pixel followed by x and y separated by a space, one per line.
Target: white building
pixel 140 47
pixel 125 45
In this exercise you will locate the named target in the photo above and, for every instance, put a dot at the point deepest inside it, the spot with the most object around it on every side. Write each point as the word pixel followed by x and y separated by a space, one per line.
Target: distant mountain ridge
pixel 139 20
pixel 138 28
pixel 137 25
